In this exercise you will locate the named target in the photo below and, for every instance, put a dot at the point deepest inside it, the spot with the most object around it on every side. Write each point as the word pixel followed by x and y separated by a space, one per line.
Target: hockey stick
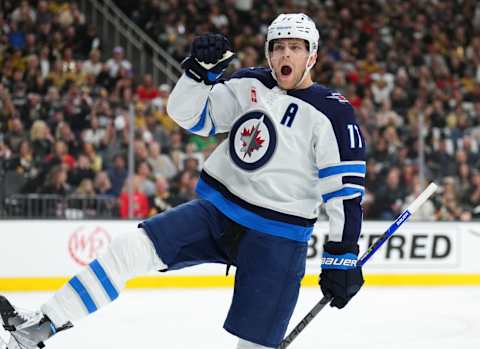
pixel 365 257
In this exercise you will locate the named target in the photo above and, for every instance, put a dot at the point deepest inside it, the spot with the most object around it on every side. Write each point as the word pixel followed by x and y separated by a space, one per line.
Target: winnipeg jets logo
pixel 253 140
pixel 338 96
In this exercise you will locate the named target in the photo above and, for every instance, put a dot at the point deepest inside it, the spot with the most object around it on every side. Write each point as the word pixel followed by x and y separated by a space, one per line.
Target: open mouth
pixel 286 70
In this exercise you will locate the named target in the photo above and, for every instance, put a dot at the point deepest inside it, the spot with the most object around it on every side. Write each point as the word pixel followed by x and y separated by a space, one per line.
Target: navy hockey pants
pixel 269 268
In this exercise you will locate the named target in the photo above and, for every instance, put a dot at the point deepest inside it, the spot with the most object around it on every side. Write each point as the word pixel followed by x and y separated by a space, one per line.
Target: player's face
pixel 289 60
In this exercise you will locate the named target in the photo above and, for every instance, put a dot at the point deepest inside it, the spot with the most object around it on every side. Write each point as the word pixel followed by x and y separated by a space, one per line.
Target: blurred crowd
pixel 64 116
pixel 64 102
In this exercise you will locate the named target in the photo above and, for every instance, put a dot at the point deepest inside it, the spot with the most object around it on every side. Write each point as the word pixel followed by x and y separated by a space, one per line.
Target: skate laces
pixel 22 337
pixel 29 318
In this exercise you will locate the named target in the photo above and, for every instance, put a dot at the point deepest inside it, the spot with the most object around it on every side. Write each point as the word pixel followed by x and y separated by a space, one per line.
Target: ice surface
pixel 377 318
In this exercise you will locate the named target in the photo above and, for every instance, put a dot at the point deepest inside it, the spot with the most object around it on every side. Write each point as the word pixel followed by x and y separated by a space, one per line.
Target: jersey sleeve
pixel 340 160
pixel 202 109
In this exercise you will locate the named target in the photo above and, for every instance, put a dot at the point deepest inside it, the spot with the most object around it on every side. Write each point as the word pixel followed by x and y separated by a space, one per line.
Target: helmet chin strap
pixel 270 66
pixel 307 70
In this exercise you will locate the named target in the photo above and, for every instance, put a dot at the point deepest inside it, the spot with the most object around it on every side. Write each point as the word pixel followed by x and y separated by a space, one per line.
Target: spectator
pixel 176 146
pixel 192 156
pixel 184 191
pixel 441 162
pixel 44 62
pixel 56 182
pixel 154 125
pixel 93 65
pixel 64 133
pixel 161 164
pixel 85 188
pixel 382 85
pixel 141 206
pixel 41 139
pixel 474 198
pixel 23 163
pixel 43 14
pixel 82 202
pixel 61 155
pixel 249 57
pixel 16 134
pixel 31 47
pixel 5 154
pixel 140 150
pixel 16 37
pixel 143 175
pixel 24 15
pixel 426 212
pixel 117 174
pixel 89 41
pixel 161 200
pixel 450 209
pixel 95 134
pixel 95 159
pixel 390 197
pixel 103 186
pixel 115 140
pixel 147 91
pixel 117 62
pixel 83 170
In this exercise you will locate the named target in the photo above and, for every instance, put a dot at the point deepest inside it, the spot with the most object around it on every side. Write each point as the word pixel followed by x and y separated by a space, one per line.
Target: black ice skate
pixel 28 329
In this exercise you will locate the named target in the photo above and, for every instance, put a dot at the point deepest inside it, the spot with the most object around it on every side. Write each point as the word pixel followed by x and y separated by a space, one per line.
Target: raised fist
pixel 210 55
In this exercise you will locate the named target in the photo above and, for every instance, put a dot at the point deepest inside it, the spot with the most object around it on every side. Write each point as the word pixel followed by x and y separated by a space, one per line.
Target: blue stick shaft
pixel 365 257
pixel 385 236
pixel 398 222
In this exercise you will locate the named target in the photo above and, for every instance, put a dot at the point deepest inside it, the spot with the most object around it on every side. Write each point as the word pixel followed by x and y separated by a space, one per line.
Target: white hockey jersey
pixel 287 152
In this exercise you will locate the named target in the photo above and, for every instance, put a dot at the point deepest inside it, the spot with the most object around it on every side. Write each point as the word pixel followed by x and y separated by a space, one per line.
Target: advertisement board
pixel 42 255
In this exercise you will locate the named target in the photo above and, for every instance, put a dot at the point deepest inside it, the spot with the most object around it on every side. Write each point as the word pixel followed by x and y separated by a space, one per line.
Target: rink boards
pixel 41 255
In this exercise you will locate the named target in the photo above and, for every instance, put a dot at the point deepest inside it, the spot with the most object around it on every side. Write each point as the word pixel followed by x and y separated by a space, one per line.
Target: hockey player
pixel 292 144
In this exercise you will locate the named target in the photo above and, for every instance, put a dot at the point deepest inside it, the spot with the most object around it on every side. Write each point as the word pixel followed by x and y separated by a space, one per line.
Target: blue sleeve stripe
pixel 357 169
pixel 345 191
pixel 104 279
pixel 201 123
pixel 83 294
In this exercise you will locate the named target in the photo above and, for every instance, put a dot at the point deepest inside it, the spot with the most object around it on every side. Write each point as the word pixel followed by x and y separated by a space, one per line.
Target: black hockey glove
pixel 340 277
pixel 210 55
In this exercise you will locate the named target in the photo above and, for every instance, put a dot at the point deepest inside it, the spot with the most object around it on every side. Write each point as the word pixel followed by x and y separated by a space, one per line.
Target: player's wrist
pixel 195 71
pixel 338 248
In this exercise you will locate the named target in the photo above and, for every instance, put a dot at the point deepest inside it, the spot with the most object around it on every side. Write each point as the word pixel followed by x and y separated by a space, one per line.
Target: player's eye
pixel 295 47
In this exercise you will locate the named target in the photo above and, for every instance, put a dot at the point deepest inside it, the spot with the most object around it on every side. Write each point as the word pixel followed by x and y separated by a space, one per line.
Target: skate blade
pixel 6 311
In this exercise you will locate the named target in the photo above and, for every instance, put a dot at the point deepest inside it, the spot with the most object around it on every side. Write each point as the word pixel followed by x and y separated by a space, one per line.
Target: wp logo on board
pixel 86 244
